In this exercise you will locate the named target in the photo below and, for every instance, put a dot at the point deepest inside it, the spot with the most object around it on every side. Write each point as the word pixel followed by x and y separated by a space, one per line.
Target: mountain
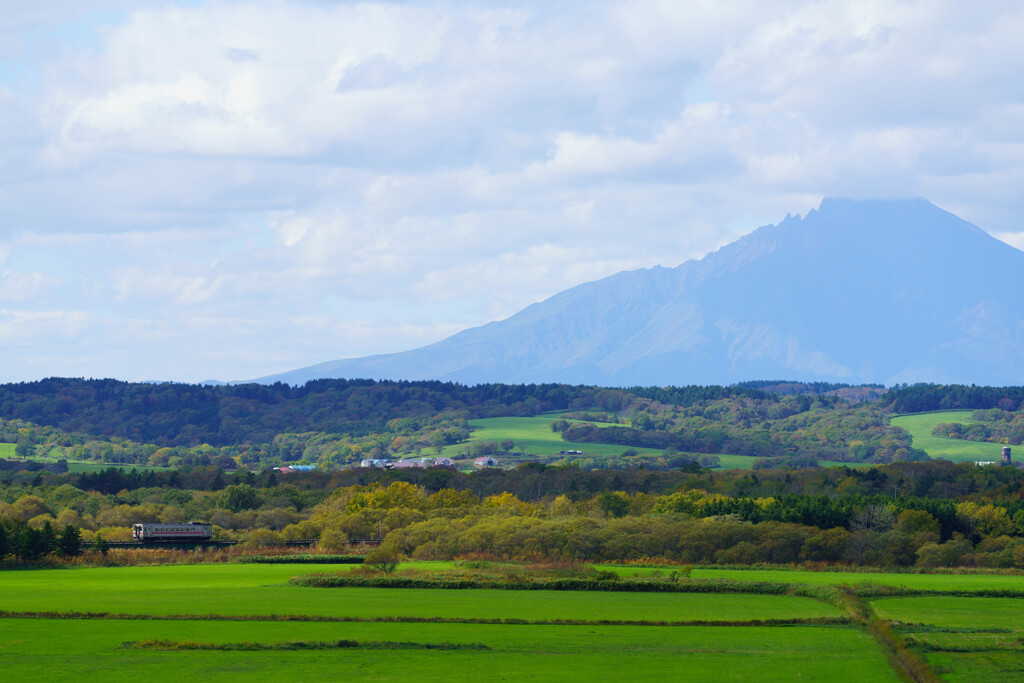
pixel 855 291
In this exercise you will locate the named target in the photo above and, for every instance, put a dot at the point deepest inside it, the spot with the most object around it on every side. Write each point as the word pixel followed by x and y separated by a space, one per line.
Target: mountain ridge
pixel 855 291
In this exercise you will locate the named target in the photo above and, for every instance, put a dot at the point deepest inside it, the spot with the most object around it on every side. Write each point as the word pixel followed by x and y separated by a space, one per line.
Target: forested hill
pixel 920 398
pixel 335 422
pixel 187 415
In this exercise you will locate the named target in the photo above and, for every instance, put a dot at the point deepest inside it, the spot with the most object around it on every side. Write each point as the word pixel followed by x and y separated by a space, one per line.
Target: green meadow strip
pixel 909 627
pixel 930 646
pixel 881 591
pixel 190 645
pixel 811 621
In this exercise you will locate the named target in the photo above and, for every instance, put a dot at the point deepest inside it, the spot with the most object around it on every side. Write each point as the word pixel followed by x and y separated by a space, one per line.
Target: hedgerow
pixel 556 584
pixel 300 559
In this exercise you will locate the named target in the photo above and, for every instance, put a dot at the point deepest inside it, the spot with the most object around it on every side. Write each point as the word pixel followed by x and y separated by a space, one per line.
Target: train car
pixel 155 533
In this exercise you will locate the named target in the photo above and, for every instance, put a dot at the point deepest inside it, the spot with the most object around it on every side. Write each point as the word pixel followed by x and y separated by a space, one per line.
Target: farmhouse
pixel 376 462
pixel 408 464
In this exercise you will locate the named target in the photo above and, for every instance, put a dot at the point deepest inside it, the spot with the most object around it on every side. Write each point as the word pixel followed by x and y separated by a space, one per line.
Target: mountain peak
pixel 886 290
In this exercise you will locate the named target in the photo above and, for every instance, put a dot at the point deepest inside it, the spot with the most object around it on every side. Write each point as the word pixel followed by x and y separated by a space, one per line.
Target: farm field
pixel 962 638
pixel 534 435
pixel 954 612
pixel 920 427
pixel 36 648
pixel 929 582
pixel 261 589
pixel 93 648
pixel 216 610
pixel 74 466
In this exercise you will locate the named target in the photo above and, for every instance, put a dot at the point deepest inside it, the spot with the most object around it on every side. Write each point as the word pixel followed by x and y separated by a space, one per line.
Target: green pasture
pixel 931 582
pixel 74 466
pixel 954 612
pixel 940 582
pixel 533 436
pixel 261 589
pixel 950 623
pixel 971 667
pixel 920 427
pixel 35 648
pixel 40 649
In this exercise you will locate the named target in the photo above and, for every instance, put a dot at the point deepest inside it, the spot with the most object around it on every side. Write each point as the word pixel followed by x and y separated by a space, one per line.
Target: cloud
pixel 235 188
pixel 22 287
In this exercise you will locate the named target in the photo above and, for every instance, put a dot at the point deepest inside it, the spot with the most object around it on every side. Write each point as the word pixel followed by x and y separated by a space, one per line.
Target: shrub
pixel 333 540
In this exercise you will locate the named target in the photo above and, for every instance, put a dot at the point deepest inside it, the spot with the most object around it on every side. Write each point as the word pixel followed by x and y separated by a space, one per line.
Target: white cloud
pixel 21 287
pixel 235 188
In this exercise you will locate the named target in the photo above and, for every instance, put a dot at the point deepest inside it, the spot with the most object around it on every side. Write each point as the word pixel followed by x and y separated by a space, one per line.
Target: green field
pixel 533 436
pixel 74 466
pixel 213 602
pixel 954 647
pixel 37 649
pixel 954 612
pixel 929 582
pixel 261 589
pixel 958 450
pixel 92 649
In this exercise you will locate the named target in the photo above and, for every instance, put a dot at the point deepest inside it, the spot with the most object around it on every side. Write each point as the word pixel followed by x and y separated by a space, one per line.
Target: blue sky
pixel 230 189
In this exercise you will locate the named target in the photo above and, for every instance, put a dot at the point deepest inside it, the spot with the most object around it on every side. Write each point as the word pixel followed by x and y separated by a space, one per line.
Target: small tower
pixel 1006 455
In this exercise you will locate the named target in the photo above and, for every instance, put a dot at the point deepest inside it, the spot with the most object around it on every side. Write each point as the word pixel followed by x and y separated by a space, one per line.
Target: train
pixel 156 533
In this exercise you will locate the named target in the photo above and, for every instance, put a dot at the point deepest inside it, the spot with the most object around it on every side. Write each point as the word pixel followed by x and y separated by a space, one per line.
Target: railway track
pixel 299 542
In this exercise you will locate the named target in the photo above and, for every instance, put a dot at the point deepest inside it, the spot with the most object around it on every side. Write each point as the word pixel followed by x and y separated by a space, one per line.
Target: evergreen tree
pixel 101 546
pixel 29 545
pixel 70 542
pixel 48 539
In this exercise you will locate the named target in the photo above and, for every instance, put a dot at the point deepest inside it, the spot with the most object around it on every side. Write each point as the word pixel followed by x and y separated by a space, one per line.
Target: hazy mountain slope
pixel 861 291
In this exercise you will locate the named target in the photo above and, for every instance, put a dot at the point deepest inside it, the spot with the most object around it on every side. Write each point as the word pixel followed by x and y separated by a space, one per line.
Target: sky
pixel 224 190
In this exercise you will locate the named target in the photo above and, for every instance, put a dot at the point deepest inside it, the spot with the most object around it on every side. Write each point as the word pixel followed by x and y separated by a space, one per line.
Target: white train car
pixel 192 531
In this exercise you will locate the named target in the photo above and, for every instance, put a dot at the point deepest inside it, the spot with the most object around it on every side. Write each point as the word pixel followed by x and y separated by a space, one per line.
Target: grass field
pixel 940 628
pixel 37 649
pixel 930 582
pixel 954 612
pixel 260 589
pixel 957 651
pixel 533 436
pixel 74 466
pixel 920 427
pixel 46 648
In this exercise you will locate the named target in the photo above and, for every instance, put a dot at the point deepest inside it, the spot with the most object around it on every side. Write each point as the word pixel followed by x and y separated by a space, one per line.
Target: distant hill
pixel 856 291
